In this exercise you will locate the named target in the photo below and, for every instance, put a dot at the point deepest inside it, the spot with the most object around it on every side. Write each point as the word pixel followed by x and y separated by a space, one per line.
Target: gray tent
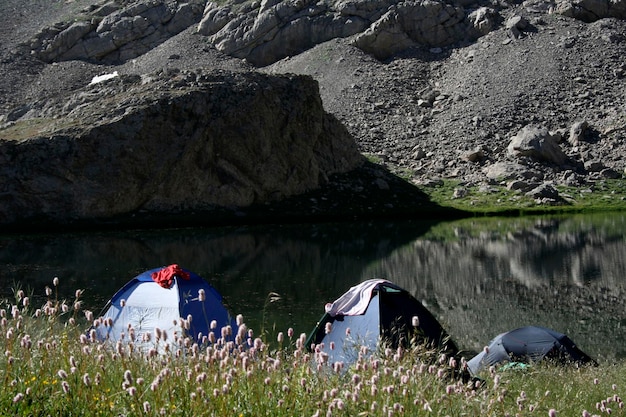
pixel 527 345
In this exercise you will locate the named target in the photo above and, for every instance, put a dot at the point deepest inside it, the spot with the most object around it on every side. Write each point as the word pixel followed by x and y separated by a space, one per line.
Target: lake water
pixel 479 276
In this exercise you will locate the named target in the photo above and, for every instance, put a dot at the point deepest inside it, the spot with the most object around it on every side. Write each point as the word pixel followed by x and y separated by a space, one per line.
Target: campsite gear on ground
pixel 528 345
pixel 155 301
pixel 372 311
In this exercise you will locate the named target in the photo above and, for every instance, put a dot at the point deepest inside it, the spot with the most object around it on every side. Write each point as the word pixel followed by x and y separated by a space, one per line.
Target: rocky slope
pixel 453 113
pixel 524 95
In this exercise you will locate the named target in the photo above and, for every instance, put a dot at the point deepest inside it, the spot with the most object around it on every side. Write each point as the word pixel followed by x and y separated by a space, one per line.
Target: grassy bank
pixel 51 366
pixel 604 195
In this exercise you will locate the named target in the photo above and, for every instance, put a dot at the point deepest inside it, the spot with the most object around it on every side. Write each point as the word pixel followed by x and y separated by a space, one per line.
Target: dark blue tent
pixel 145 304
pixel 527 345
pixel 373 311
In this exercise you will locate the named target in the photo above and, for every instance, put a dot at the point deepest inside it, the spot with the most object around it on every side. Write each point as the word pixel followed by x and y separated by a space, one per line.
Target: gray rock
pixel 483 20
pixel 272 30
pixel 113 34
pixel 214 18
pixel 610 173
pixel 432 182
pixel 431 24
pixel 503 171
pixel 418 153
pixel 537 143
pixel 594 166
pixel 475 155
pixel 459 192
pixel 174 141
pixel 516 25
pixel 592 10
pixel 518 185
pixel 577 133
pixel 544 191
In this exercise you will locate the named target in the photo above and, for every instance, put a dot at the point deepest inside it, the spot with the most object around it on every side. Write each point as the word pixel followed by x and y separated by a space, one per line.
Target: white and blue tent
pixel 371 312
pixel 159 299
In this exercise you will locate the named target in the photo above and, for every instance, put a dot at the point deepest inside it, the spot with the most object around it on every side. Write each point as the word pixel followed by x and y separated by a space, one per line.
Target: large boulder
pixel 177 141
pixel 592 10
pixel 538 143
pixel 427 23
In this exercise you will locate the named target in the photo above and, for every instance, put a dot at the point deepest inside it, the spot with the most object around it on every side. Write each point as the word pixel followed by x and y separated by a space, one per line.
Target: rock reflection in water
pixel 307 265
pixel 486 276
pixel 479 276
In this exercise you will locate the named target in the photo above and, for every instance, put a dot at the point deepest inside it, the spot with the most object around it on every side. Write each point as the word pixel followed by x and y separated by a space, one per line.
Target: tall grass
pixel 52 366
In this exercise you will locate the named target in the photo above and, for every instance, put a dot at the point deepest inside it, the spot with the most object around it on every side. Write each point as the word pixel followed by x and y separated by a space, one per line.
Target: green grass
pixel 33 128
pixel 50 366
pixel 605 195
pixel 25 129
pixel 598 196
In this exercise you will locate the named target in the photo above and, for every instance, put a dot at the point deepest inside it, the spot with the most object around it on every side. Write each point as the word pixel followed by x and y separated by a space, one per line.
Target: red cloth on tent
pixel 165 277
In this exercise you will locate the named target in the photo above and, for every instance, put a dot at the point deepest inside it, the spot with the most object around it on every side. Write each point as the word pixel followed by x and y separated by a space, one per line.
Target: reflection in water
pixel 307 265
pixel 487 276
pixel 479 276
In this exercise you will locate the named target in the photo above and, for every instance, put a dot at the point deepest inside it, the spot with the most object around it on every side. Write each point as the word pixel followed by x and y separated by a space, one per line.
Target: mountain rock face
pixel 263 32
pixel 431 89
pixel 169 142
pixel 116 31
pixel 271 30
